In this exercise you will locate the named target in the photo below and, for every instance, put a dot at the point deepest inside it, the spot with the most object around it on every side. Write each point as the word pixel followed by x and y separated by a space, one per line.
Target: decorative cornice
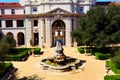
pixel 52 15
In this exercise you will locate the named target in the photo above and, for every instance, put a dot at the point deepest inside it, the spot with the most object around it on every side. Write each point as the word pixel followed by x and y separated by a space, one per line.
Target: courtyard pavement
pixel 93 69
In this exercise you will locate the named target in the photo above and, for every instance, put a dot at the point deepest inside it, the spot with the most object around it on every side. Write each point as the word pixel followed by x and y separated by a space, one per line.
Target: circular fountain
pixel 59 62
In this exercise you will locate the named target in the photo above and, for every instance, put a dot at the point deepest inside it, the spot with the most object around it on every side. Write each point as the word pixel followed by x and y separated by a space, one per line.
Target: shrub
pixel 102 56
pixel 37 50
pixel 89 50
pixel 18 50
pixel 4 68
pixel 81 50
pixel 116 59
pixel 17 57
pixel 4 48
pixel 113 67
pixel 112 77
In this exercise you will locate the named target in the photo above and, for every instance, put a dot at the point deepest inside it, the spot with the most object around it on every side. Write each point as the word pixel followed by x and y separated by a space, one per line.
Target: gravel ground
pixel 93 69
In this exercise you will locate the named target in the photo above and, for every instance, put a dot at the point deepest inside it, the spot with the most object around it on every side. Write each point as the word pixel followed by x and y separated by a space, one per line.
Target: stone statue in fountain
pixel 59 55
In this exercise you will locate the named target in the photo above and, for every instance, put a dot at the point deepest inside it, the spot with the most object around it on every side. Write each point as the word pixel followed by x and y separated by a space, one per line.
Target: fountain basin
pixel 67 65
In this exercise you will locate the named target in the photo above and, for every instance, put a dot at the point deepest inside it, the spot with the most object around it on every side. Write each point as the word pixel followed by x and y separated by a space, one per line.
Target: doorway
pixel 36 39
pixel 58 32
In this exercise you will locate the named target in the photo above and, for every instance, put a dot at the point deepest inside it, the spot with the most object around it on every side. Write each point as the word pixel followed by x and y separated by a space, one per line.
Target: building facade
pixel 12 21
pixel 44 22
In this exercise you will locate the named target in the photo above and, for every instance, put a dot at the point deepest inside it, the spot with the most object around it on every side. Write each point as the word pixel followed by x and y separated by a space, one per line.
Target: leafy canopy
pixel 101 27
pixel 6 43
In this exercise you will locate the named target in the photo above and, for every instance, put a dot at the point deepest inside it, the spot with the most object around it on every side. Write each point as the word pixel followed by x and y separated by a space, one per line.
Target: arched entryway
pixel 10 34
pixel 58 32
pixel 20 38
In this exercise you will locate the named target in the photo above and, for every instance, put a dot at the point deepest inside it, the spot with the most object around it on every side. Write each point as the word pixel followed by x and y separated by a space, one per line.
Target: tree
pixel 6 43
pixel 10 40
pixel 100 28
pixel 4 49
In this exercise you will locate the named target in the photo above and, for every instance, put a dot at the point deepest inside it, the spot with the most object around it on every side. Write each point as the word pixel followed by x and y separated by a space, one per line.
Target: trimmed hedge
pixel 112 77
pixel 4 68
pixel 18 50
pixel 16 54
pixel 17 57
pixel 113 67
pixel 89 50
pixel 104 50
pixel 102 56
pixel 81 50
pixel 37 50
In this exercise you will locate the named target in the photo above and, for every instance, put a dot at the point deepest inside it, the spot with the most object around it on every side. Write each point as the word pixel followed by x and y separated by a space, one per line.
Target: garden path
pixel 93 69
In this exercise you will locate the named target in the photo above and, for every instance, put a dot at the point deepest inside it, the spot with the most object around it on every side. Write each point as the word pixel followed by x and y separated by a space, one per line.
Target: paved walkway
pixel 92 70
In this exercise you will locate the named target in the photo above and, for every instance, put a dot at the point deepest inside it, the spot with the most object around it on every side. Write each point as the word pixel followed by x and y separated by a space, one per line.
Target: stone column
pixel 75 23
pixel 14 23
pixel 28 32
pixel 74 27
pixel 40 32
pixel 48 33
pixel 68 30
pixel 3 24
pixel 44 31
pixel 15 37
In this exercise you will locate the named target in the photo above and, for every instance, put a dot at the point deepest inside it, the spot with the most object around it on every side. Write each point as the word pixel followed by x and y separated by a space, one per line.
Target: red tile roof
pixel 12 16
pixel 10 5
pixel 103 3
pixel 107 3
pixel 115 3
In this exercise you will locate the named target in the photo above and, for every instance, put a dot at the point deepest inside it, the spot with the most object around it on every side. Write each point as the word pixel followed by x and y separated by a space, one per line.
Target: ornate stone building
pixel 12 21
pixel 48 21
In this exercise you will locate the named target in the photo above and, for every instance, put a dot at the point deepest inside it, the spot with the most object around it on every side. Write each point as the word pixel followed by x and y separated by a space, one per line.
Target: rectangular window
pixel 82 10
pixel 12 11
pixel 9 23
pixel 2 11
pixel 0 23
pixel 34 9
pixel 20 23
pixel 35 22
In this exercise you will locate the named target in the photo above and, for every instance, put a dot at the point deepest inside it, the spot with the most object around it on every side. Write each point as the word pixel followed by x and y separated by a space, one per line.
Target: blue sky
pixel 18 0
pixel 9 0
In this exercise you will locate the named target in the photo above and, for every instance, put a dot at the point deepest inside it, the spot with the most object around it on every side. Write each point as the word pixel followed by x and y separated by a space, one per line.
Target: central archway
pixel 58 32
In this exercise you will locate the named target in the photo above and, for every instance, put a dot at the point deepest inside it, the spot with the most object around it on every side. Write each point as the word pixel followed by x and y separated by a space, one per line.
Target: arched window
pixel 10 34
pixel 20 38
